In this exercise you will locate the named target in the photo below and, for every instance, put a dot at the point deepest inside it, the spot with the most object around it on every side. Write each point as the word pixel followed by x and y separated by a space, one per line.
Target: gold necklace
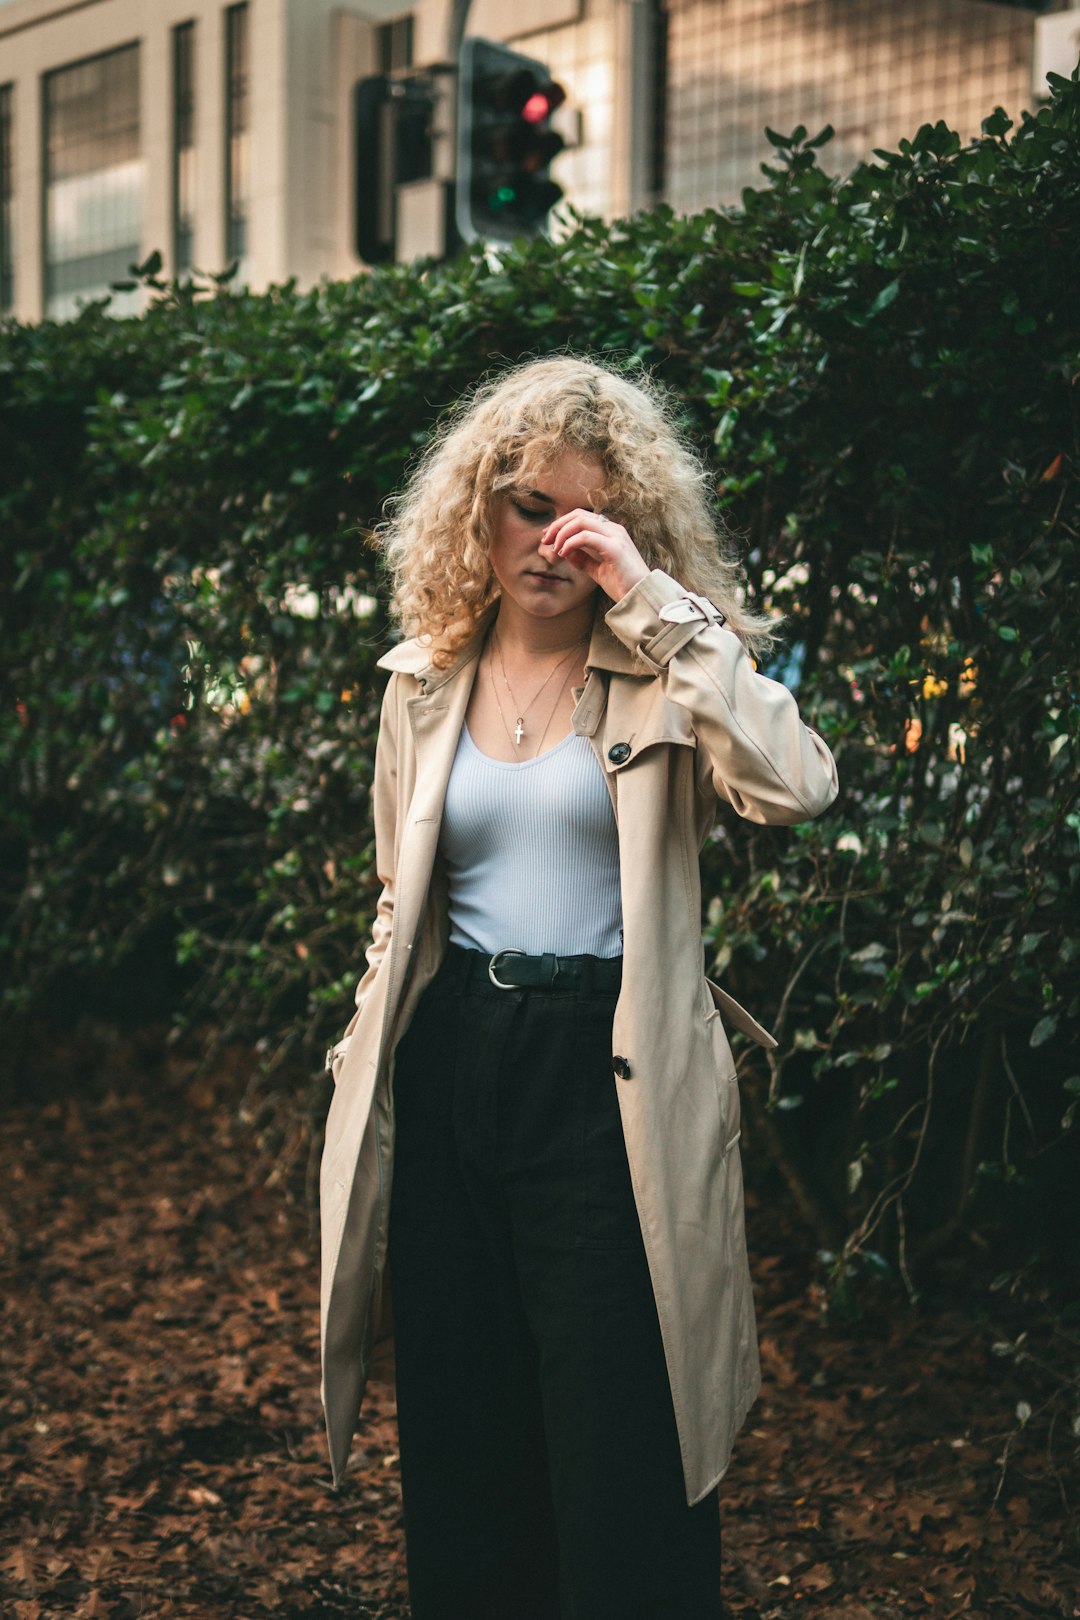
pixel 554 706
pixel 498 705
pixel 519 728
pixel 551 712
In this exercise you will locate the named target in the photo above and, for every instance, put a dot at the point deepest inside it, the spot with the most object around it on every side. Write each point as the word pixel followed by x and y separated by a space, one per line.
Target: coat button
pixel 619 753
pixel 621 1067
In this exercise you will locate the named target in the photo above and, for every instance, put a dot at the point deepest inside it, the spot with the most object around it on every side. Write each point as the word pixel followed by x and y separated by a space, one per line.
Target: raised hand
pixel 597 545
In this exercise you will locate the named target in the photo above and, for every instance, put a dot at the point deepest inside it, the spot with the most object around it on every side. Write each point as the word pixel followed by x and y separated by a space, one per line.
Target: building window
pixel 658 133
pixel 394 44
pixel 183 147
pixel 93 198
pixel 7 192
pixel 237 120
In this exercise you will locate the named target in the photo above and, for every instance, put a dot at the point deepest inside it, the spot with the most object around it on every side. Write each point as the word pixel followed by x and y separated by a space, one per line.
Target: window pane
pixel 394 44
pixel 237 116
pixel 183 147
pixel 7 190
pixel 94 180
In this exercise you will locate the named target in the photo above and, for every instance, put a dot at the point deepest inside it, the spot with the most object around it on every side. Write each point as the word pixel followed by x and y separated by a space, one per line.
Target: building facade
pixel 224 133
pixel 874 72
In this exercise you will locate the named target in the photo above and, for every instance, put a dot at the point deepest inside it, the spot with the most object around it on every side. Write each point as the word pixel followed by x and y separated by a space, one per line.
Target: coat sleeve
pixel 384 804
pixel 751 740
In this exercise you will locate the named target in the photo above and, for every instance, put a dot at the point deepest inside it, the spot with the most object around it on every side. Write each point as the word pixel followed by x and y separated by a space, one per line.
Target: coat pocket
pixel 335 1056
pixel 738 1017
pixel 726 1013
pixel 727 1084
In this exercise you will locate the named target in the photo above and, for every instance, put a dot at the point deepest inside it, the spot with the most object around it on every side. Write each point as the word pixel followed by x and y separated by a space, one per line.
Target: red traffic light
pixel 542 103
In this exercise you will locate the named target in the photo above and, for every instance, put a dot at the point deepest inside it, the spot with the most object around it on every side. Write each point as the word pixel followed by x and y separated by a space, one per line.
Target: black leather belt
pixel 511 969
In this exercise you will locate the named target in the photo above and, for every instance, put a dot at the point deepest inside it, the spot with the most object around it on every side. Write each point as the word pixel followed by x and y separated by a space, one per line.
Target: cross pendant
pixel 519 731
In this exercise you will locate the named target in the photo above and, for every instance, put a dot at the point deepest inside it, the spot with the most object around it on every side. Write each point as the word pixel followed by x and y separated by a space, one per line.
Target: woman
pixel 536 1112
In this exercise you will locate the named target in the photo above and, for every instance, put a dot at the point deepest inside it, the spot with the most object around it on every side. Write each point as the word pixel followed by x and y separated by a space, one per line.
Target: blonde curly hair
pixel 438 533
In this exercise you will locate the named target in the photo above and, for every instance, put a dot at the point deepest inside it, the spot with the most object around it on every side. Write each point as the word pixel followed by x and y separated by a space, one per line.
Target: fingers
pixel 578 551
pixel 580 525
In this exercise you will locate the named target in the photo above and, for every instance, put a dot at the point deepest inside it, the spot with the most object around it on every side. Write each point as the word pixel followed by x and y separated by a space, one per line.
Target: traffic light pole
pixel 459 17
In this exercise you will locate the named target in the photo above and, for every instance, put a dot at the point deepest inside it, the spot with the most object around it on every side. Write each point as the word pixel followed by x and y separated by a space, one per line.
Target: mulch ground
pixel 161 1449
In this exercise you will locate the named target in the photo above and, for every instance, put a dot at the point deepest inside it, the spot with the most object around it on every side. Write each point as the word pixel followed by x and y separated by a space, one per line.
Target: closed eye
pixel 539 513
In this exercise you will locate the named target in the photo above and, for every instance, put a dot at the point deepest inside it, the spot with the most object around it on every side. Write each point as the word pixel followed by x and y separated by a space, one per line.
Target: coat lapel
pixel 436 713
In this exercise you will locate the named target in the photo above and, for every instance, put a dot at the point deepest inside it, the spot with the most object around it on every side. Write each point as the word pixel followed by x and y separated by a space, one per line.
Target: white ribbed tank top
pixel 532 852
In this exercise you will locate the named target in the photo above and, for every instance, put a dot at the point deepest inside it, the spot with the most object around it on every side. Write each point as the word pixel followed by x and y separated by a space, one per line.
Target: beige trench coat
pixel 678 718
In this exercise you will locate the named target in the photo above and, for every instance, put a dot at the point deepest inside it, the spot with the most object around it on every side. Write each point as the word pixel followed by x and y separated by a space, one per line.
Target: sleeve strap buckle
pixel 688 607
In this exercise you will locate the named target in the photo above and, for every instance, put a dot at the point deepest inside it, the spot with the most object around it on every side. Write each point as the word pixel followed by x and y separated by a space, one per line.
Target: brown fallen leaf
pixel 914 1509
pixel 818 1578
pixel 20 1563
pixel 963 1532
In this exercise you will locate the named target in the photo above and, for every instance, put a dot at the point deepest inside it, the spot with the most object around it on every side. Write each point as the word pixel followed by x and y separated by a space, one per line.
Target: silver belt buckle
pixel 508 950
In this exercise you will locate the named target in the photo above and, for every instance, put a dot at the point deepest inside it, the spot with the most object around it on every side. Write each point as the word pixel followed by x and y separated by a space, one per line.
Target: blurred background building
pixel 219 133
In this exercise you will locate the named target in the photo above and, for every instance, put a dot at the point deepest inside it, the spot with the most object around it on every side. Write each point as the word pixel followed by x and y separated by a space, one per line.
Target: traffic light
pixel 505 142
pixel 403 164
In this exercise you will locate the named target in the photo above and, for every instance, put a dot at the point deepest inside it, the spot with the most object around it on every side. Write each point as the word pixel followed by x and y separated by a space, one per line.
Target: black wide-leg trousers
pixel 540 1465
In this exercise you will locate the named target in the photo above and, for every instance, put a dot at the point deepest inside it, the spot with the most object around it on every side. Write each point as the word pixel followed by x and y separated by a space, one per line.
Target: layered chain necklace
pixel 518 735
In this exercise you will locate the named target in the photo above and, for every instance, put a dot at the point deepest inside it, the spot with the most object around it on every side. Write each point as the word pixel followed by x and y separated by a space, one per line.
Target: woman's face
pixel 533 579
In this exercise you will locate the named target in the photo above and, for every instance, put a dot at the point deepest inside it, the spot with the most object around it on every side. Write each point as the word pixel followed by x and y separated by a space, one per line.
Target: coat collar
pixel 413 657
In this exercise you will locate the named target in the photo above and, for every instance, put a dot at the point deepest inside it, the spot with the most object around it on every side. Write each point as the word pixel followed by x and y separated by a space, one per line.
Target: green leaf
pixel 885 297
pixel 998 123
pixel 1044 1029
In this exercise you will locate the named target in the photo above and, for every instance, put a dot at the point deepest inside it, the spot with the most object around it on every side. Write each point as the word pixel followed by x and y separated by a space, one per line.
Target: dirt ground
pixel 161 1446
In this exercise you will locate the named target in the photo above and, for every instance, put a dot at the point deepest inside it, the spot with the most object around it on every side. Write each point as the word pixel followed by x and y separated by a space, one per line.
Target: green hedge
pixel 884 373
